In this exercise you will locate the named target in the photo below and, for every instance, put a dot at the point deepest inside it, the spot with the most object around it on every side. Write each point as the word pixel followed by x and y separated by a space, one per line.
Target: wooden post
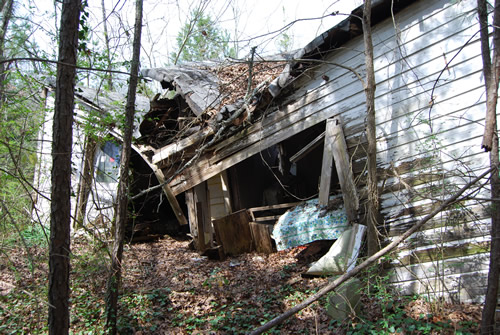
pixel 225 191
pixel 203 215
pixel 327 165
pixel 200 228
pixel 336 150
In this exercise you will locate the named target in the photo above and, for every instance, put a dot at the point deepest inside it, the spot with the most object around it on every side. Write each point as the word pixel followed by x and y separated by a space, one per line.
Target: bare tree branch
pixel 370 260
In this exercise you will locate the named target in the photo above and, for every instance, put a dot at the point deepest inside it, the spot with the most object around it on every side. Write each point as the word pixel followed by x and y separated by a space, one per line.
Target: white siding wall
pixel 424 153
pixel 101 198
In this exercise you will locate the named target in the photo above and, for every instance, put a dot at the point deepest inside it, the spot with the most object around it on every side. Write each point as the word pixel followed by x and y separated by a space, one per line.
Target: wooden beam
pixel 265 208
pixel 327 164
pixel 336 148
pixel 200 228
pixel 166 189
pixel 344 172
pixel 266 218
pixel 307 149
pixel 178 146
pixel 202 201
pixel 261 237
pixel 192 215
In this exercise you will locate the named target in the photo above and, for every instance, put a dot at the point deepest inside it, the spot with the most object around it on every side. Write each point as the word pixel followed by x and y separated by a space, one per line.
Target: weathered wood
pixel 452 266
pixel 200 228
pixel 279 206
pixel 225 191
pixel 327 163
pixel 307 149
pixel 254 210
pixel 218 207
pixel 192 215
pixel 261 235
pixel 449 251
pixel 176 208
pixel 335 150
pixel 233 233
pixel 344 171
pixel 178 146
pixel 202 201
pixel 267 218
pixel 465 288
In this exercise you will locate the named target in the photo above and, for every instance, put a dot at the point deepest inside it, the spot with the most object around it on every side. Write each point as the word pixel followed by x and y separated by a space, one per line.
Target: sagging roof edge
pixel 326 42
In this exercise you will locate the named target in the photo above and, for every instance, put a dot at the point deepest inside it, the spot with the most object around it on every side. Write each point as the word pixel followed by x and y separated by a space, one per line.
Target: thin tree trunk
pixel 490 142
pixel 373 201
pixel 86 180
pixel 6 11
pixel 109 76
pixel 114 280
pixel 60 207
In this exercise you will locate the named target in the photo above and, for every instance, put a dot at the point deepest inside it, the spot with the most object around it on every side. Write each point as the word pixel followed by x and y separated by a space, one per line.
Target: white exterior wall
pixel 102 196
pixel 435 56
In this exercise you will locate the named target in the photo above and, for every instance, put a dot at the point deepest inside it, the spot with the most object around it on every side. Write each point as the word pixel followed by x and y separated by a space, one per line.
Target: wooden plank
pixel 307 149
pixel 336 151
pixel 439 268
pixel 261 237
pixel 344 172
pixel 176 208
pixel 202 200
pixel 266 218
pixel 225 191
pixel 200 227
pixel 448 251
pixel 465 288
pixel 327 163
pixel 178 146
pixel 233 233
pixel 279 206
pixel 192 215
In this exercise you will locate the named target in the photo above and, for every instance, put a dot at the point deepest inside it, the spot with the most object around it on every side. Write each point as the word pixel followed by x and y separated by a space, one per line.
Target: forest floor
pixel 170 289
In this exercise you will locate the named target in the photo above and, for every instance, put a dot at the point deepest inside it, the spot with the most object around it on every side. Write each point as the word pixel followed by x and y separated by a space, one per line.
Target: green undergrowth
pixel 385 311
pixel 160 310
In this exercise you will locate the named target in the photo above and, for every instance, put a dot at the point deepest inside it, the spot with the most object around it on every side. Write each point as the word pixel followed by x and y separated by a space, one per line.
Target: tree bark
pixel 109 76
pixel 86 180
pixel 60 208
pixel 6 11
pixel 114 279
pixel 369 261
pixel 373 200
pixel 491 70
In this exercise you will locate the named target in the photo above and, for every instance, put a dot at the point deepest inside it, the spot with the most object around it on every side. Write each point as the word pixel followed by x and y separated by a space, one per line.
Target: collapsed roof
pixel 228 105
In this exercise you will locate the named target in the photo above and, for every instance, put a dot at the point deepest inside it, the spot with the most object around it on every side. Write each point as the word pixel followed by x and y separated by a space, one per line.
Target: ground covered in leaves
pixel 169 289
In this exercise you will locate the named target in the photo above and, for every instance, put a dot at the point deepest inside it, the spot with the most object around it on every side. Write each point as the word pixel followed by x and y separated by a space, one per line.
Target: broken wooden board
pixel 233 233
pixel 336 151
pixel 261 235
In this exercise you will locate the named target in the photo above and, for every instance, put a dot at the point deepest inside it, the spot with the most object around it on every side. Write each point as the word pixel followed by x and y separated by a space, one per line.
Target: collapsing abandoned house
pixel 224 155
pixel 266 150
